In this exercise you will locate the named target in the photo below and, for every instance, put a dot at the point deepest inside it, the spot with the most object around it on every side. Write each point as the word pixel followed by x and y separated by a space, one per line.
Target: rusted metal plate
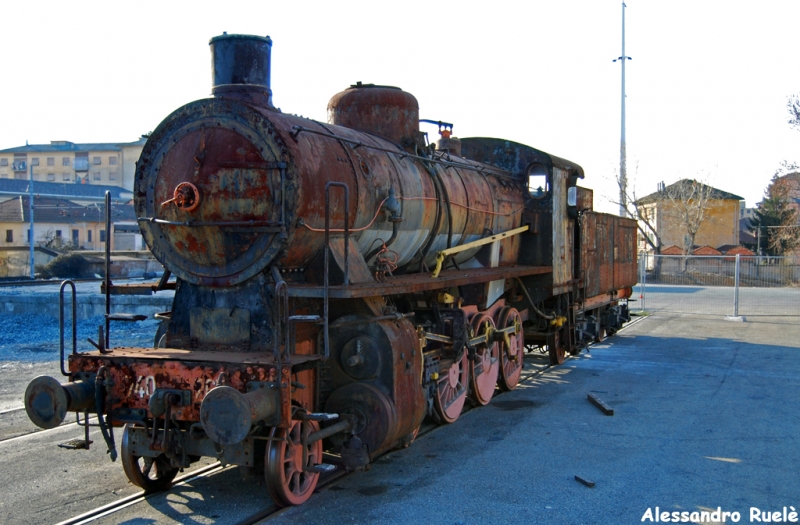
pixel 607 253
pixel 419 282
pixel 392 358
pixel 561 230
pixel 213 242
pixel 222 326
pixel 386 111
pixel 137 372
pixel 626 264
pixel 585 199
pixel 357 269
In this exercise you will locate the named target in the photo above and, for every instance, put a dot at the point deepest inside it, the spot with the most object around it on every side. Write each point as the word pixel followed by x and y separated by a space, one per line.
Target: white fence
pixel 719 285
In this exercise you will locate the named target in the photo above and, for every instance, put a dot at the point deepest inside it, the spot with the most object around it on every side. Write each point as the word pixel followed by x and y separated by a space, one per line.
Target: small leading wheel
pixel 151 474
pixel 556 347
pixel 287 483
pixel 511 357
pixel 451 389
pixel 484 368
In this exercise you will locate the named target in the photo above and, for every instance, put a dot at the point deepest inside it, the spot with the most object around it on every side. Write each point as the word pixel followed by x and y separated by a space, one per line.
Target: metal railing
pixel 730 285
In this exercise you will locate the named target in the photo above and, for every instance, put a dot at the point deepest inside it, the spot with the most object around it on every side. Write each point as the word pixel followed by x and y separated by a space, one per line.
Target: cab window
pixel 538 184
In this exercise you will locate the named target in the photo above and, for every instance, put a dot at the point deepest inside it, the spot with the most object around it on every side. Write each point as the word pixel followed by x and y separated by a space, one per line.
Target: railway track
pixel 139 497
pixel 538 361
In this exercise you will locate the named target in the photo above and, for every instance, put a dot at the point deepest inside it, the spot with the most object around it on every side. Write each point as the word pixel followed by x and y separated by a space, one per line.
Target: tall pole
pixel 623 168
pixel 30 214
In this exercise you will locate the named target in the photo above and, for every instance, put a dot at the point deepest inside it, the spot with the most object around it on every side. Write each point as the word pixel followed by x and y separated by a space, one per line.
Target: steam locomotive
pixel 337 283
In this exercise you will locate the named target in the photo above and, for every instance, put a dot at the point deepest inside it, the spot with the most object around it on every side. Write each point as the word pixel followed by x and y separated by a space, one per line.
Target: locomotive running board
pixel 418 282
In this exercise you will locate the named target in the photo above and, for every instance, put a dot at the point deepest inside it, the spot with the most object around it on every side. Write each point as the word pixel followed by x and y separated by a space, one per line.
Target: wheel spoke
pixel 287 483
pixel 140 471
pixel 485 367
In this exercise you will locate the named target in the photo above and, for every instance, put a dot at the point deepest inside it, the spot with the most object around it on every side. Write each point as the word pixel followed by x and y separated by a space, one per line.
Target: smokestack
pixel 241 64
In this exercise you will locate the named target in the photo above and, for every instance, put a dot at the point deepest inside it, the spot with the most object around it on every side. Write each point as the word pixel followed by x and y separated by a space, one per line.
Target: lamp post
pixel 623 168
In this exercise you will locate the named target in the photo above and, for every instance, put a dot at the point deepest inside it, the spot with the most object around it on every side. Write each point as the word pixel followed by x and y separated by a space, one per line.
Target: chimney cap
pixel 226 36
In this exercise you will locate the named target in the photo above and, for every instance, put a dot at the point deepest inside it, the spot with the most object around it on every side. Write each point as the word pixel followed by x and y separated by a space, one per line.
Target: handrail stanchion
pixel 108 268
pixel 61 324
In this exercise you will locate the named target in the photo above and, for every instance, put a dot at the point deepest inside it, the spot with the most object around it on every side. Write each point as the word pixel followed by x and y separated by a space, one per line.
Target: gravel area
pixel 35 337
pixel 29 347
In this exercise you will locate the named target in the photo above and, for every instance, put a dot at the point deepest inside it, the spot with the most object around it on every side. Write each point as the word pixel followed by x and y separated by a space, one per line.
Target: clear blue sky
pixel 707 86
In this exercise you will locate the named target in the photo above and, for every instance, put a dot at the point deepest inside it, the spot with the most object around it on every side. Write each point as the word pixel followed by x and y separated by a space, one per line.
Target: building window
pixel 58 234
pixel 9 235
pixel 112 175
pixel 102 236
pixel 75 237
pixel 96 175
pixel 112 161
pixel 67 176
pixel 89 235
pixel 28 231
pixel 20 176
pixel 35 161
pixel 51 176
pixel 51 161
pixel 3 175
pixel 3 162
pixel 95 160
pixel 65 161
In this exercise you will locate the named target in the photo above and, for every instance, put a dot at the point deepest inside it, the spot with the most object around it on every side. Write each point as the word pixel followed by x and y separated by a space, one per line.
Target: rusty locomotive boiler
pixel 337 283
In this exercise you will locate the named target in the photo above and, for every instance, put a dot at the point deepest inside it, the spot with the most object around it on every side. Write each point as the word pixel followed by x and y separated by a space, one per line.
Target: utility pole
pixel 30 213
pixel 623 168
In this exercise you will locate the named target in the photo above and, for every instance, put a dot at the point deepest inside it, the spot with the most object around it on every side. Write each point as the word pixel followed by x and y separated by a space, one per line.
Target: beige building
pixel 110 164
pixel 60 222
pixel 720 226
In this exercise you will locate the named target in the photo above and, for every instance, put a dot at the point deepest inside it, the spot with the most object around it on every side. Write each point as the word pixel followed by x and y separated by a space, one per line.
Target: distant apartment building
pixel 109 164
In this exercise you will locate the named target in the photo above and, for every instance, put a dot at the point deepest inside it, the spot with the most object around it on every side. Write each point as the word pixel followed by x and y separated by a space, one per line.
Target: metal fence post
pixel 736 288
pixel 643 278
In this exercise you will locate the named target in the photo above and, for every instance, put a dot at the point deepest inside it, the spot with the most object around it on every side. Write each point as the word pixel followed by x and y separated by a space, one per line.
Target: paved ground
pixel 706 417
pixel 718 300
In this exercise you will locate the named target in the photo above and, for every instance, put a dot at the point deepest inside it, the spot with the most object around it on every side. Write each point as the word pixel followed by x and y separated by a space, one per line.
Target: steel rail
pixel 39 432
pixel 115 506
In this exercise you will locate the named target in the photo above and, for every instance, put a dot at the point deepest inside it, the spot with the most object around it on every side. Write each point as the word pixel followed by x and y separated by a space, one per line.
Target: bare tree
pixel 793 106
pixel 50 239
pixel 682 205
pixel 645 216
pixel 642 214
pixel 688 201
